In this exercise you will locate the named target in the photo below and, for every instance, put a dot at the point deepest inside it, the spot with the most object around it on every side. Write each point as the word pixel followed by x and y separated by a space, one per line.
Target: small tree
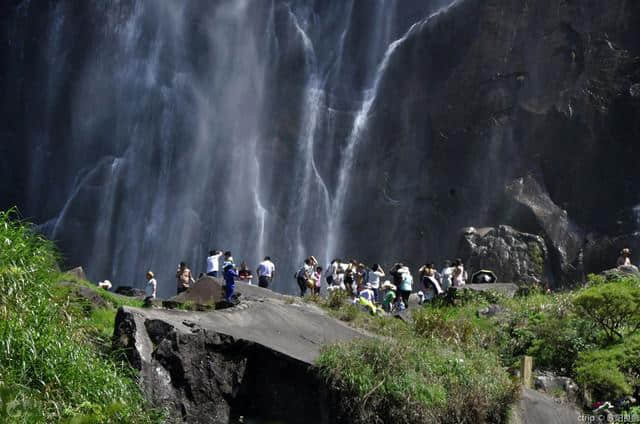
pixel 614 307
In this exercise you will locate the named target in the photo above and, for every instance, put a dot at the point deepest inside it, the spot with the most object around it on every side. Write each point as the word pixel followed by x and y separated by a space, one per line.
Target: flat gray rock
pixel 508 289
pixel 202 365
pixel 537 408
pixel 295 330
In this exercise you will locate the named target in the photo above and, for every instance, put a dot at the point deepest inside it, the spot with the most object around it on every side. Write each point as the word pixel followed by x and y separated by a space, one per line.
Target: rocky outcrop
pixel 621 272
pixel 130 292
pixel 602 252
pixel 91 297
pixel 530 205
pixel 513 256
pixel 250 360
pixel 554 385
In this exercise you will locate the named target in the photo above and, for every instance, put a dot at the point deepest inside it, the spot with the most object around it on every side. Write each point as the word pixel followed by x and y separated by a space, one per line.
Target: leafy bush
pixel 613 307
pixel 557 343
pixel 611 372
pixel 48 372
pixel 413 380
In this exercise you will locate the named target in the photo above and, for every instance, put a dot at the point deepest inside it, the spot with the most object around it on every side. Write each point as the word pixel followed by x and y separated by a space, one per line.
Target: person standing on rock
pixel 374 275
pixel 317 281
pixel 625 257
pixel 213 263
pixel 446 276
pixel 230 274
pixel 266 270
pixel 396 275
pixel 406 285
pixel 303 275
pixel 245 274
pixel 431 281
pixel 459 274
pixel 332 271
pixel 228 259
pixel 184 277
pixel 150 288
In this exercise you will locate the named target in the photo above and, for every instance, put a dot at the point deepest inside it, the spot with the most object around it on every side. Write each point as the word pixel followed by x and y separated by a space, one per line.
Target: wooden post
pixel 526 366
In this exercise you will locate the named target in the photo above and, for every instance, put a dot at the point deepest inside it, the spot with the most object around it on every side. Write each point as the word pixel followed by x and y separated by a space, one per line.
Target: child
pixel 389 295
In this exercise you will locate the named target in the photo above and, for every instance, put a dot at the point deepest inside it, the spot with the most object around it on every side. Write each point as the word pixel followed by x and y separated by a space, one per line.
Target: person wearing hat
pixel 367 293
pixel 106 284
pixel 150 289
pixel 625 257
pixel 388 295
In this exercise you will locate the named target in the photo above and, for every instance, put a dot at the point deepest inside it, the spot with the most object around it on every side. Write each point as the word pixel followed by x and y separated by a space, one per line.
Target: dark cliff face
pixel 139 136
pixel 495 90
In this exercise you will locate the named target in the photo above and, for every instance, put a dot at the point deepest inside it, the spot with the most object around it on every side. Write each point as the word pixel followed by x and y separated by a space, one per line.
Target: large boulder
pixel 529 204
pixel 621 272
pixel 553 385
pixel 250 360
pixel 512 255
pixel 130 292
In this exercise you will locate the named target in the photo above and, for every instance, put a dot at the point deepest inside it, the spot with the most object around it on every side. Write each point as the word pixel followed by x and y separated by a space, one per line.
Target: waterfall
pixel 359 126
pixel 168 130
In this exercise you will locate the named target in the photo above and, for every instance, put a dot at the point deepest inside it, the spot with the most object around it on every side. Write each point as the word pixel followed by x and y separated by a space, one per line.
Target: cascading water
pixel 201 125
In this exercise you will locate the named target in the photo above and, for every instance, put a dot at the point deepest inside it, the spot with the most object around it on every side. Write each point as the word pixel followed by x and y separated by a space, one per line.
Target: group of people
pixel 364 284
pixel 230 273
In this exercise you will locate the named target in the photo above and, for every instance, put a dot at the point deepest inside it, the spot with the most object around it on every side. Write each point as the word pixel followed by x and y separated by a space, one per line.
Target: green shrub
pixel 558 342
pixel 613 307
pixel 48 371
pixel 453 325
pixel 414 380
pixel 612 371
pixel 337 299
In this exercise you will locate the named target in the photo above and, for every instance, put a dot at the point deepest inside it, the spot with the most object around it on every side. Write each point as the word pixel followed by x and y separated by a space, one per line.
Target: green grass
pixel 403 371
pixel 115 299
pixel 415 380
pixel 433 370
pixel 50 368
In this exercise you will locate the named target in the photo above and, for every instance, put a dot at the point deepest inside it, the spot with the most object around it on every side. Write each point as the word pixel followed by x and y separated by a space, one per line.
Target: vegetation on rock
pixel 55 364
pixel 407 372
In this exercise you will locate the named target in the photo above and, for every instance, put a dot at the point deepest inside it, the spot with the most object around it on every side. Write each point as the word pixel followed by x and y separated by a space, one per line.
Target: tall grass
pixel 47 372
pixel 414 380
